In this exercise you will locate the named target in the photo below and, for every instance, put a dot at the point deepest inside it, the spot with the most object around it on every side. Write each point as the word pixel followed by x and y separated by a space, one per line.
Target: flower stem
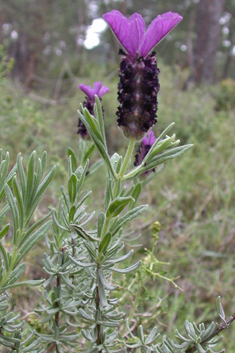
pixel 98 325
pixel 127 157
pixel 57 304
pixel 136 301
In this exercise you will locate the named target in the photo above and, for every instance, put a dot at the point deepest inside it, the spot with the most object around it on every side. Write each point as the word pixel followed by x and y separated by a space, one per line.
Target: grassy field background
pixel 193 198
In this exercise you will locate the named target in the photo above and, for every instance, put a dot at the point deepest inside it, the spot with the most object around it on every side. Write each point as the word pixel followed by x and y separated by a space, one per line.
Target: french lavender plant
pixel 87 258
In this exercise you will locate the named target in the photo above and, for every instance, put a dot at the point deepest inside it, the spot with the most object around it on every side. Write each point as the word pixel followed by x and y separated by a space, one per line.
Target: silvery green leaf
pixel 88 153
pixel 83 199
pixel 102 295
pixel 19 200
pixel 72 160
pixel 72 188
pixel 116 161
pixel 189 328
pixel 119 259
pixel 109 324
pixel 135 194
pixel 82 264
pixel 114 316
pixel 183 345
pixel 39 192
pixel 88 220
pixel 220 309
pixel 100 118
pixel 117 206
pixel 33 227
pixel 141 333
pixel 3 211
pixel 82 233
pixel 92 128
pixel 31 346
pixel 5 230
pixel 65 197
pixel 86 334
pixel 14 275
pixel 72 213
pixel 84 315
pixel 104 281
pixel 152 336
pixel 82 177
pixel 31 241
pixel 182 338
pixel 4 177
pixel 114 249
pixel 91 250
pixel 105 243
pixel 161 136
pixel 161 146
pixel 14 212
pixel 30 180
pixel 101 220
pixel 31 283
pixel 172 153
pixel 200 349
pixel 4 256
pixel 128 269
pixel 208 332
pixel 127 217
pixel 94 124
pixel 108 191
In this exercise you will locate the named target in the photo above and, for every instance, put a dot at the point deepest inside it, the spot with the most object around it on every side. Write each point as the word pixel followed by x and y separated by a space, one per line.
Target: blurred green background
pixel 50 46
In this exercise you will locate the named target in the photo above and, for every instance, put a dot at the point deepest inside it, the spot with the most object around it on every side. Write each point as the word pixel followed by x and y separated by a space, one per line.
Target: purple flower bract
pixel 133 35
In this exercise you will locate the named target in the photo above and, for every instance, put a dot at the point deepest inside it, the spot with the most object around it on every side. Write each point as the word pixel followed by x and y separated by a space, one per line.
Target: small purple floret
pixel 149 139
pixel 144 148
pixel 132 33
pixel 98 90
pixel 89 102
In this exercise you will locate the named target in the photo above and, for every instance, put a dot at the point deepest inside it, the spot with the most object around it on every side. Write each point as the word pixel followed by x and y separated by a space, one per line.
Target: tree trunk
pixel 207 41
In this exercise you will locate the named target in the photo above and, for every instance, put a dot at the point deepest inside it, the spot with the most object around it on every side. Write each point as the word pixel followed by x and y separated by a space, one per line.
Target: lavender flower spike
pixel 132 34
pixel 139 84
pixel 145 146
pixel 89 102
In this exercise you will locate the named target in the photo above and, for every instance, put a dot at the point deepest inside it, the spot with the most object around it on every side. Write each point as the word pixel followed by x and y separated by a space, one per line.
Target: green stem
pixel 98 325
pixel 127 157
pixel 136 302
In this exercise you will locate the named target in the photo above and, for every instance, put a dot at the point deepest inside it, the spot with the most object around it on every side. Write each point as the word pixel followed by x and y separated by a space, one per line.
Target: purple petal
pixel 152 138
pixel 158 29
pixel 103 91
pixel 97 87
pixel 120 27
pixel 136 33
pixel 87 90
pixel 149 139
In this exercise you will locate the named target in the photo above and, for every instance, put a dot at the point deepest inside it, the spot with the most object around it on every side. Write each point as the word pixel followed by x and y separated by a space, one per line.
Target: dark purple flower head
pixel 89 102
pixel 132 33
pixel 139 84
pixel 144 147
